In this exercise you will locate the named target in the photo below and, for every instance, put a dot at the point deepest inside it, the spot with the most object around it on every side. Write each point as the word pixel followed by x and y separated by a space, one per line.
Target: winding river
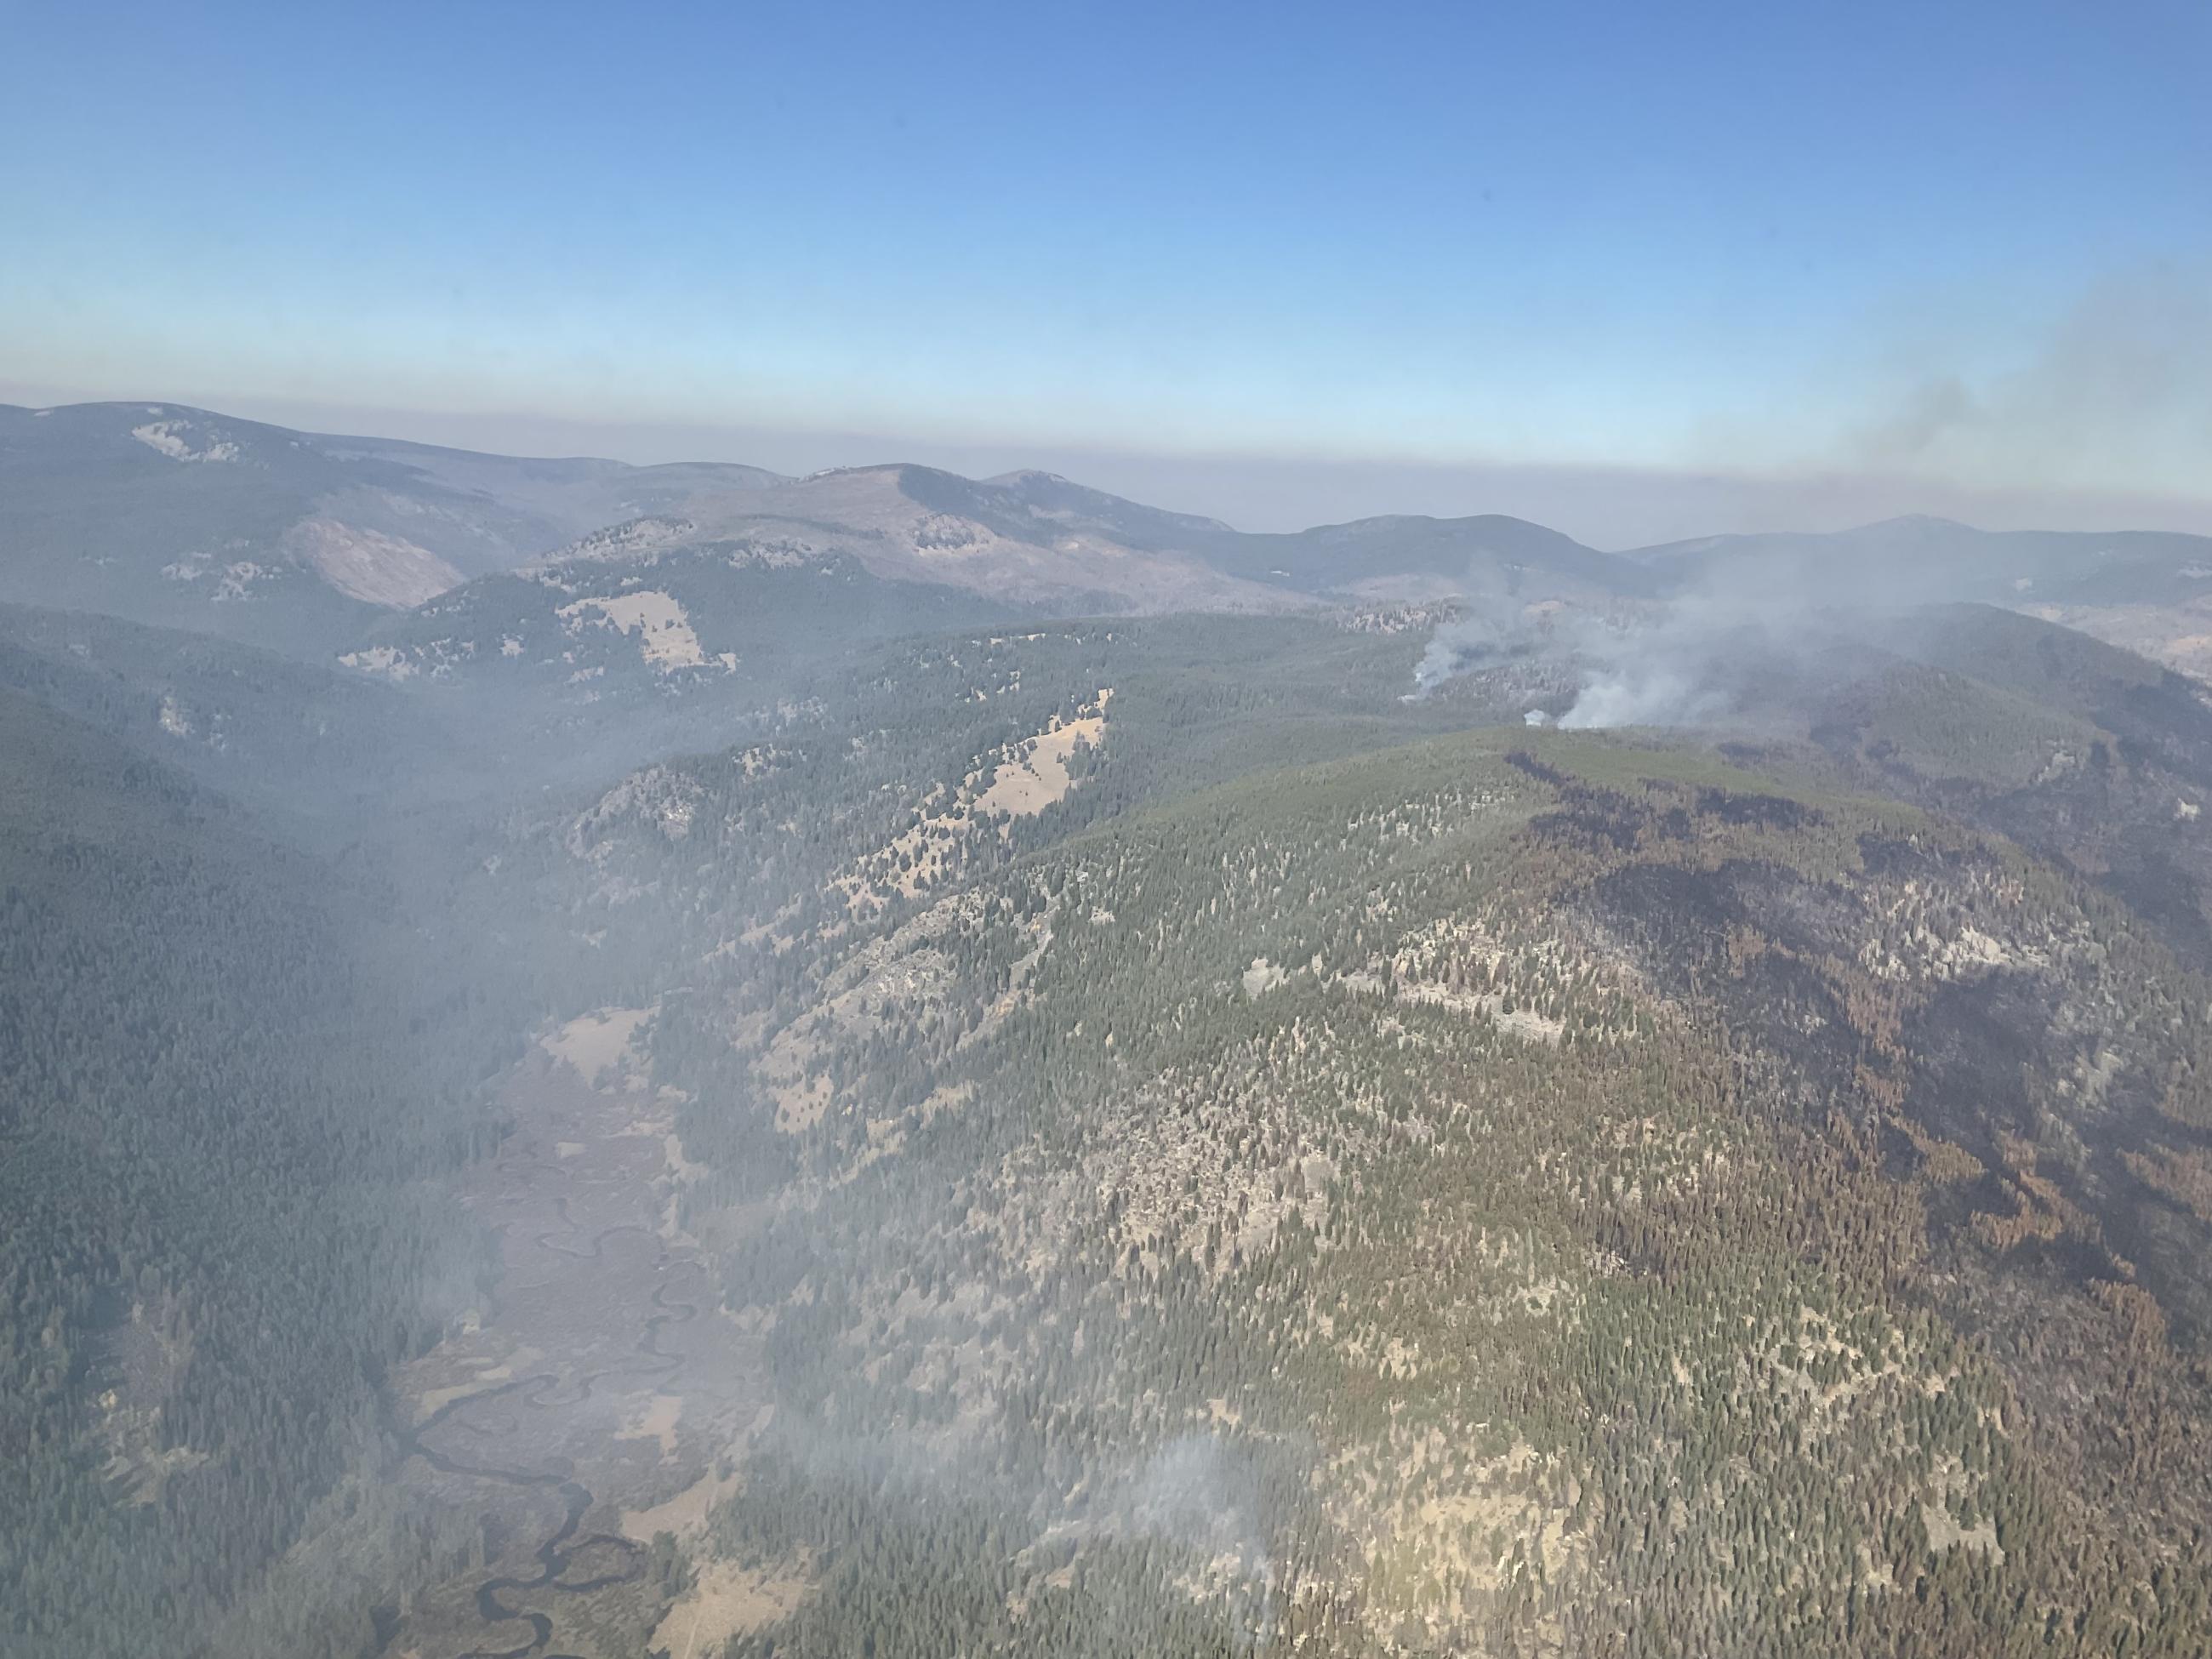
pixel 555 1554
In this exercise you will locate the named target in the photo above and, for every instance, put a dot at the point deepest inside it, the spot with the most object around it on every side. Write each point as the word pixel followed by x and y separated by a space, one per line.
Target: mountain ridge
pixel 318 544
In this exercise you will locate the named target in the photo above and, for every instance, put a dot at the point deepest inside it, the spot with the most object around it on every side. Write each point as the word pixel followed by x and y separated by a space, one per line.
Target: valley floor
pixel 595 1402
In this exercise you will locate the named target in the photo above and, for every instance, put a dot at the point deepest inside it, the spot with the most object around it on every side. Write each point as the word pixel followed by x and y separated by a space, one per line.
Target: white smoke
pixel 1474 639
pixel 1195 1491
pixel 1697 661
pixel 1649 695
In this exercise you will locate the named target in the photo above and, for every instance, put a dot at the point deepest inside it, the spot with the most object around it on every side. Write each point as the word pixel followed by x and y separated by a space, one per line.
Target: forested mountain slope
pixel 225 1099
pixel 749 1090
pixel 1489 1196
pixel 2083 752
pixel 248 722
pixel 726 622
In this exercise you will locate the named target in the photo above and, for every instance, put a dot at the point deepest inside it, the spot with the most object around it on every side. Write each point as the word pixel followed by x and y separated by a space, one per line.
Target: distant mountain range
pixel 405 559
pixel 2148 591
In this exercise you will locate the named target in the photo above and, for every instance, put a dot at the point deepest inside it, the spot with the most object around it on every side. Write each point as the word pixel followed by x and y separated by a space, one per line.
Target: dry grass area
pixel 1017 779
pixel 664 631
pixel 600 1045
pixel 370 566
pixel 1448 1530
pixel 730 1601
pixel 1034 776
pixel 883 986
pixel 1944 1532
pixel 682 1514
pixel 654 1418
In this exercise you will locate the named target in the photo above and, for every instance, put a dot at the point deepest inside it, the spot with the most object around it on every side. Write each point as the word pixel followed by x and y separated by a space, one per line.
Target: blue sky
pixel 1965 246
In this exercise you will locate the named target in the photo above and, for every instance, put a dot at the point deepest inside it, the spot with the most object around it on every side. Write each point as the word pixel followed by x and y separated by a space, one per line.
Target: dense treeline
pixel 223 1116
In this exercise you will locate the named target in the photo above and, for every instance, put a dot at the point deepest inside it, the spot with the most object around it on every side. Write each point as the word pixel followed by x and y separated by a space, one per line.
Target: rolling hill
pixel 310 544
pixel 315 545
pixel 176 516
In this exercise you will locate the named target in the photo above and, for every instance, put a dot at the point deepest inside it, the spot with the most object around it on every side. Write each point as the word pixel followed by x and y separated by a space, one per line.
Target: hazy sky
pixel 1280 262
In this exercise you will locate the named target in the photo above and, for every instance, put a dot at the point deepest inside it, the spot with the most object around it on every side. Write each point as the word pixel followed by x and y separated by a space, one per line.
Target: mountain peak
pixel 1914 522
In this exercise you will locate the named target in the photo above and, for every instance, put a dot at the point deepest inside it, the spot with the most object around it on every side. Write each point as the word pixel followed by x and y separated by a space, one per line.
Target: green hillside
pixel 1556 1197
pixel 224 1112
pixel 973 1133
